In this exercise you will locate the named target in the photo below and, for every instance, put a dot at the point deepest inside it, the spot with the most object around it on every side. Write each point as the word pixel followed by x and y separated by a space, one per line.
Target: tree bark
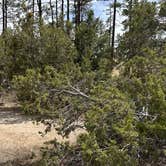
pixel 68 10
pixel 52 13
pixel 113 30
pixel 75 12
pixel 130 11
pixel 4 13
pixel 56 13
pixel 62 12
pixel 77 6
pixel 131 49
pixel 110 27
pixel 33 8
pixel 78 12
pixel 40 11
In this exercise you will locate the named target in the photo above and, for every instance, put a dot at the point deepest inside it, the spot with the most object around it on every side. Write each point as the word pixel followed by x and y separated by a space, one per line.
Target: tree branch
pixel 73 92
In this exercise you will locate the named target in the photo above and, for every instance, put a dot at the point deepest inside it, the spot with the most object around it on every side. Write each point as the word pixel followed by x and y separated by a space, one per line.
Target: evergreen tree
pixel 39 4
pixel 143 28
pixel 65 73
pixel 113 29
pixel 4 13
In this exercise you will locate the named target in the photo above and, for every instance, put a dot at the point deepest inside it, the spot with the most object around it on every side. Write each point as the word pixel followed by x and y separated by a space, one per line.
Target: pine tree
pixel 33 7
pixel 56 13
pixel 39 3
pixel 68 10
pixel 4 13
pixel 52 12
pixel 113 29
pixel 141 27
pixel 62 12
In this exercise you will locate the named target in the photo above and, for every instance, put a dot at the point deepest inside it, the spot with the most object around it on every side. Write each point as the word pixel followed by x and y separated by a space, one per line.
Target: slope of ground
pixel 19 136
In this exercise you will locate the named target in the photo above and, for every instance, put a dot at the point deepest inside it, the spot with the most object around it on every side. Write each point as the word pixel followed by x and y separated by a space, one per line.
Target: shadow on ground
pixel 13 116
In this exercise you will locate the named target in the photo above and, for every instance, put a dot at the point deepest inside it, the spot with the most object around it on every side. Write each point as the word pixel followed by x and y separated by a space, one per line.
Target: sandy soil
pixel 19 136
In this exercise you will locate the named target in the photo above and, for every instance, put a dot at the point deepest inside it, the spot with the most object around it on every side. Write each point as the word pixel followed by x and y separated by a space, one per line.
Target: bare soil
pixel 19 136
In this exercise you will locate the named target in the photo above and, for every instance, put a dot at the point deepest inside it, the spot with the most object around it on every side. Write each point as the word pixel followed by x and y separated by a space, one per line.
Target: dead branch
pixel 73 92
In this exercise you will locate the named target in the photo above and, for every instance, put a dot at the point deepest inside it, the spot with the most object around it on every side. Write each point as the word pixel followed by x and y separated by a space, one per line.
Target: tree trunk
pixel 56 13
pixel 110 27
pixel 78 12
pixel 4 13
pixel 113 30
pixel 131 51
pixel 33 8
pixel 130 15
pixel 77 6
pixel 62 12
pixel 52 13
pixel 68 10
pixel 75 12
pixel 40 11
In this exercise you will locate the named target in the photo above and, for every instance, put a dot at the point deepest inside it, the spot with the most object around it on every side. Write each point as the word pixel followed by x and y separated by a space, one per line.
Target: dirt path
pixel 19 136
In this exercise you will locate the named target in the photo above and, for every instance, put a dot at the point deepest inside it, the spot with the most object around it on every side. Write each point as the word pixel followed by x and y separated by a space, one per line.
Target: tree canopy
pixel 62 71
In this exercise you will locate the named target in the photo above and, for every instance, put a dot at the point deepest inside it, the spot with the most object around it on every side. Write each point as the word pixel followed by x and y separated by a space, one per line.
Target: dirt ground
pixel 19 136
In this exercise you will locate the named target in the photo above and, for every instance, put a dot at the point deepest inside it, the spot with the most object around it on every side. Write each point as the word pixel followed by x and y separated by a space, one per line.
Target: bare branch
pixel 74 92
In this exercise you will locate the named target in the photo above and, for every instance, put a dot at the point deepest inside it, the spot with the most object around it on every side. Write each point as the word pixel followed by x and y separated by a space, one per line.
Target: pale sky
pixel 100 6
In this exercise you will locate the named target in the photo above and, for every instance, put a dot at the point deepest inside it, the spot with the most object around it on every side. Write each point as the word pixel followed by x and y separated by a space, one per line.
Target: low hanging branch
pixel 73 92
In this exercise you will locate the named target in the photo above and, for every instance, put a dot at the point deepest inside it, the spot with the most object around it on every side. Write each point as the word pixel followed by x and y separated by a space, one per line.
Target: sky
pixel 100 6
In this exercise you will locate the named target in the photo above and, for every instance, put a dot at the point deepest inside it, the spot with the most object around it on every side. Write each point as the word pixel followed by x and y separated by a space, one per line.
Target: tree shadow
pixel 13 115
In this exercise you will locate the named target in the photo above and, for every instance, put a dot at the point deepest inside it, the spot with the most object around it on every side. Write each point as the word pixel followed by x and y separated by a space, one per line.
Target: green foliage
pixel 112 136
pixel 57 49
pixel 65 75
pixel 91 42
pixel 141 27
pixel 144 83
pixel 32 89
pixel 162 12
pixel 22 50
